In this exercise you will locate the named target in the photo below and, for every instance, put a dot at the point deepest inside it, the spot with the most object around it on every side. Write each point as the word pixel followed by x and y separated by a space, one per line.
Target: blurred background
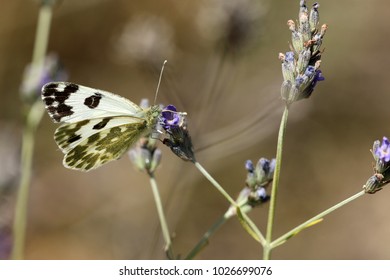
pixel 223 70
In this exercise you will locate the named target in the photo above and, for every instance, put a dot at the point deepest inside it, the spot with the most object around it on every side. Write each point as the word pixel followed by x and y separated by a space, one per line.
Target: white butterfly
pixel 99 126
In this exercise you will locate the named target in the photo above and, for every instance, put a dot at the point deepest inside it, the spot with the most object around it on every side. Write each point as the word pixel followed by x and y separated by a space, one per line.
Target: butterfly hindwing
pixel 89 144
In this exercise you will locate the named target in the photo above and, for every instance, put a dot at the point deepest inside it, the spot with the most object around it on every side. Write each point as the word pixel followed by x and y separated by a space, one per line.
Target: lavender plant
pixel 301 74
pixel 43 68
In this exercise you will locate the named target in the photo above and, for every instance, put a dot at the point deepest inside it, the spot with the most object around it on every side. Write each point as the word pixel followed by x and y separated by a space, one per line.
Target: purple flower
pixel 383 151
pixel 35 76
pixel 289 57
pixel 177 137
pixel 310 88
pixel 317 78
pixel 169 117
pixel 310 70
pixel 249 166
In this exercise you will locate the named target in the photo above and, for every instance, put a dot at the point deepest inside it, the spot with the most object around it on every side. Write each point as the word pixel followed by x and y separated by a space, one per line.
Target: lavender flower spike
pixel 300 66
pixel 381 154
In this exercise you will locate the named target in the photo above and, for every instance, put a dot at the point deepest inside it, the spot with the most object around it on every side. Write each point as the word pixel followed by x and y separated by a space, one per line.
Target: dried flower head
pixel 146 40
pixel 300 66
pixel 381 177
pixel 230 23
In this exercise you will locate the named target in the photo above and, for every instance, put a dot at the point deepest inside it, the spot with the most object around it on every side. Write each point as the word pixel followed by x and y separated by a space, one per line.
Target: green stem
pixel 20 220
pixel 316 218
pixel 215 183
pixel 163 221
pixel 275 185
pixel 42 34
pixel 250 225
pixel 34 117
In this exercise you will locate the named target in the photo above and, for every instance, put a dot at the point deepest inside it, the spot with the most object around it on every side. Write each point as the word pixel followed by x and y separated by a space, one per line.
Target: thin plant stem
pixel 42 34
pixel 258 235
pixel 215 183
pixel 275 185
pixel 204 241
pixel 316 218
pixel 161 216
pixel 20 220
pixel 33 119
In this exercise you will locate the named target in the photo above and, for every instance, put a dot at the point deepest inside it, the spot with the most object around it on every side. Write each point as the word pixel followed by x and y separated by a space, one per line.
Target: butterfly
pixel 98 126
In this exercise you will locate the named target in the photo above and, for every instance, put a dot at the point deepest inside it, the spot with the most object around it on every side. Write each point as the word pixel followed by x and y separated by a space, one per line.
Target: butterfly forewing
pixel 69 102
pixel 99 126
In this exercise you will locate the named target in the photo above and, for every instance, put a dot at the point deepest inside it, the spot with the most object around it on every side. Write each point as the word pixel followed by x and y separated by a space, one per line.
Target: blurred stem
pixel 42 34
pixel 316 218
pixel 161 216
pixel 275 184
pixel 248 222
pixel 204 241
pixel 19 227
pixel 33 119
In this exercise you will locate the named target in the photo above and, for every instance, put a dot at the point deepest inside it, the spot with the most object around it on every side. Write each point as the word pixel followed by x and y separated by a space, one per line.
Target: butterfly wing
pixel 89 144
pixel 70 103
pixel 99 126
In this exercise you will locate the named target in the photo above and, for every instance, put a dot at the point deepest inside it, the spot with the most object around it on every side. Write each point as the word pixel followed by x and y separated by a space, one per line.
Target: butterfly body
pixel 98 126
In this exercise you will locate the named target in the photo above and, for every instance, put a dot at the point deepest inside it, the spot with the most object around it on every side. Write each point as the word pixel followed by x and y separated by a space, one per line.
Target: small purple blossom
pixel 310 88
pixel 383 151
pixel 170 117
pixel 263 164
pixel 177 137
pixel 289 56
pixel 318 77
pixel 249 166
pixel 310 70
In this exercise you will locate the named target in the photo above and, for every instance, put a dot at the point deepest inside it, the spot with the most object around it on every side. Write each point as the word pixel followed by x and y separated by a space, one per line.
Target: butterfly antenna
pixel 159 81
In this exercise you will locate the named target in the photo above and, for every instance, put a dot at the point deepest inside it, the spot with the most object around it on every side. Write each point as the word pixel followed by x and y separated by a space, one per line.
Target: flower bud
pixel 303 60
pixel 314 17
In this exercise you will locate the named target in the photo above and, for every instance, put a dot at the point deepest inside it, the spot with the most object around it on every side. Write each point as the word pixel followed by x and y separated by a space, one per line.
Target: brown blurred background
pixel 230 87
